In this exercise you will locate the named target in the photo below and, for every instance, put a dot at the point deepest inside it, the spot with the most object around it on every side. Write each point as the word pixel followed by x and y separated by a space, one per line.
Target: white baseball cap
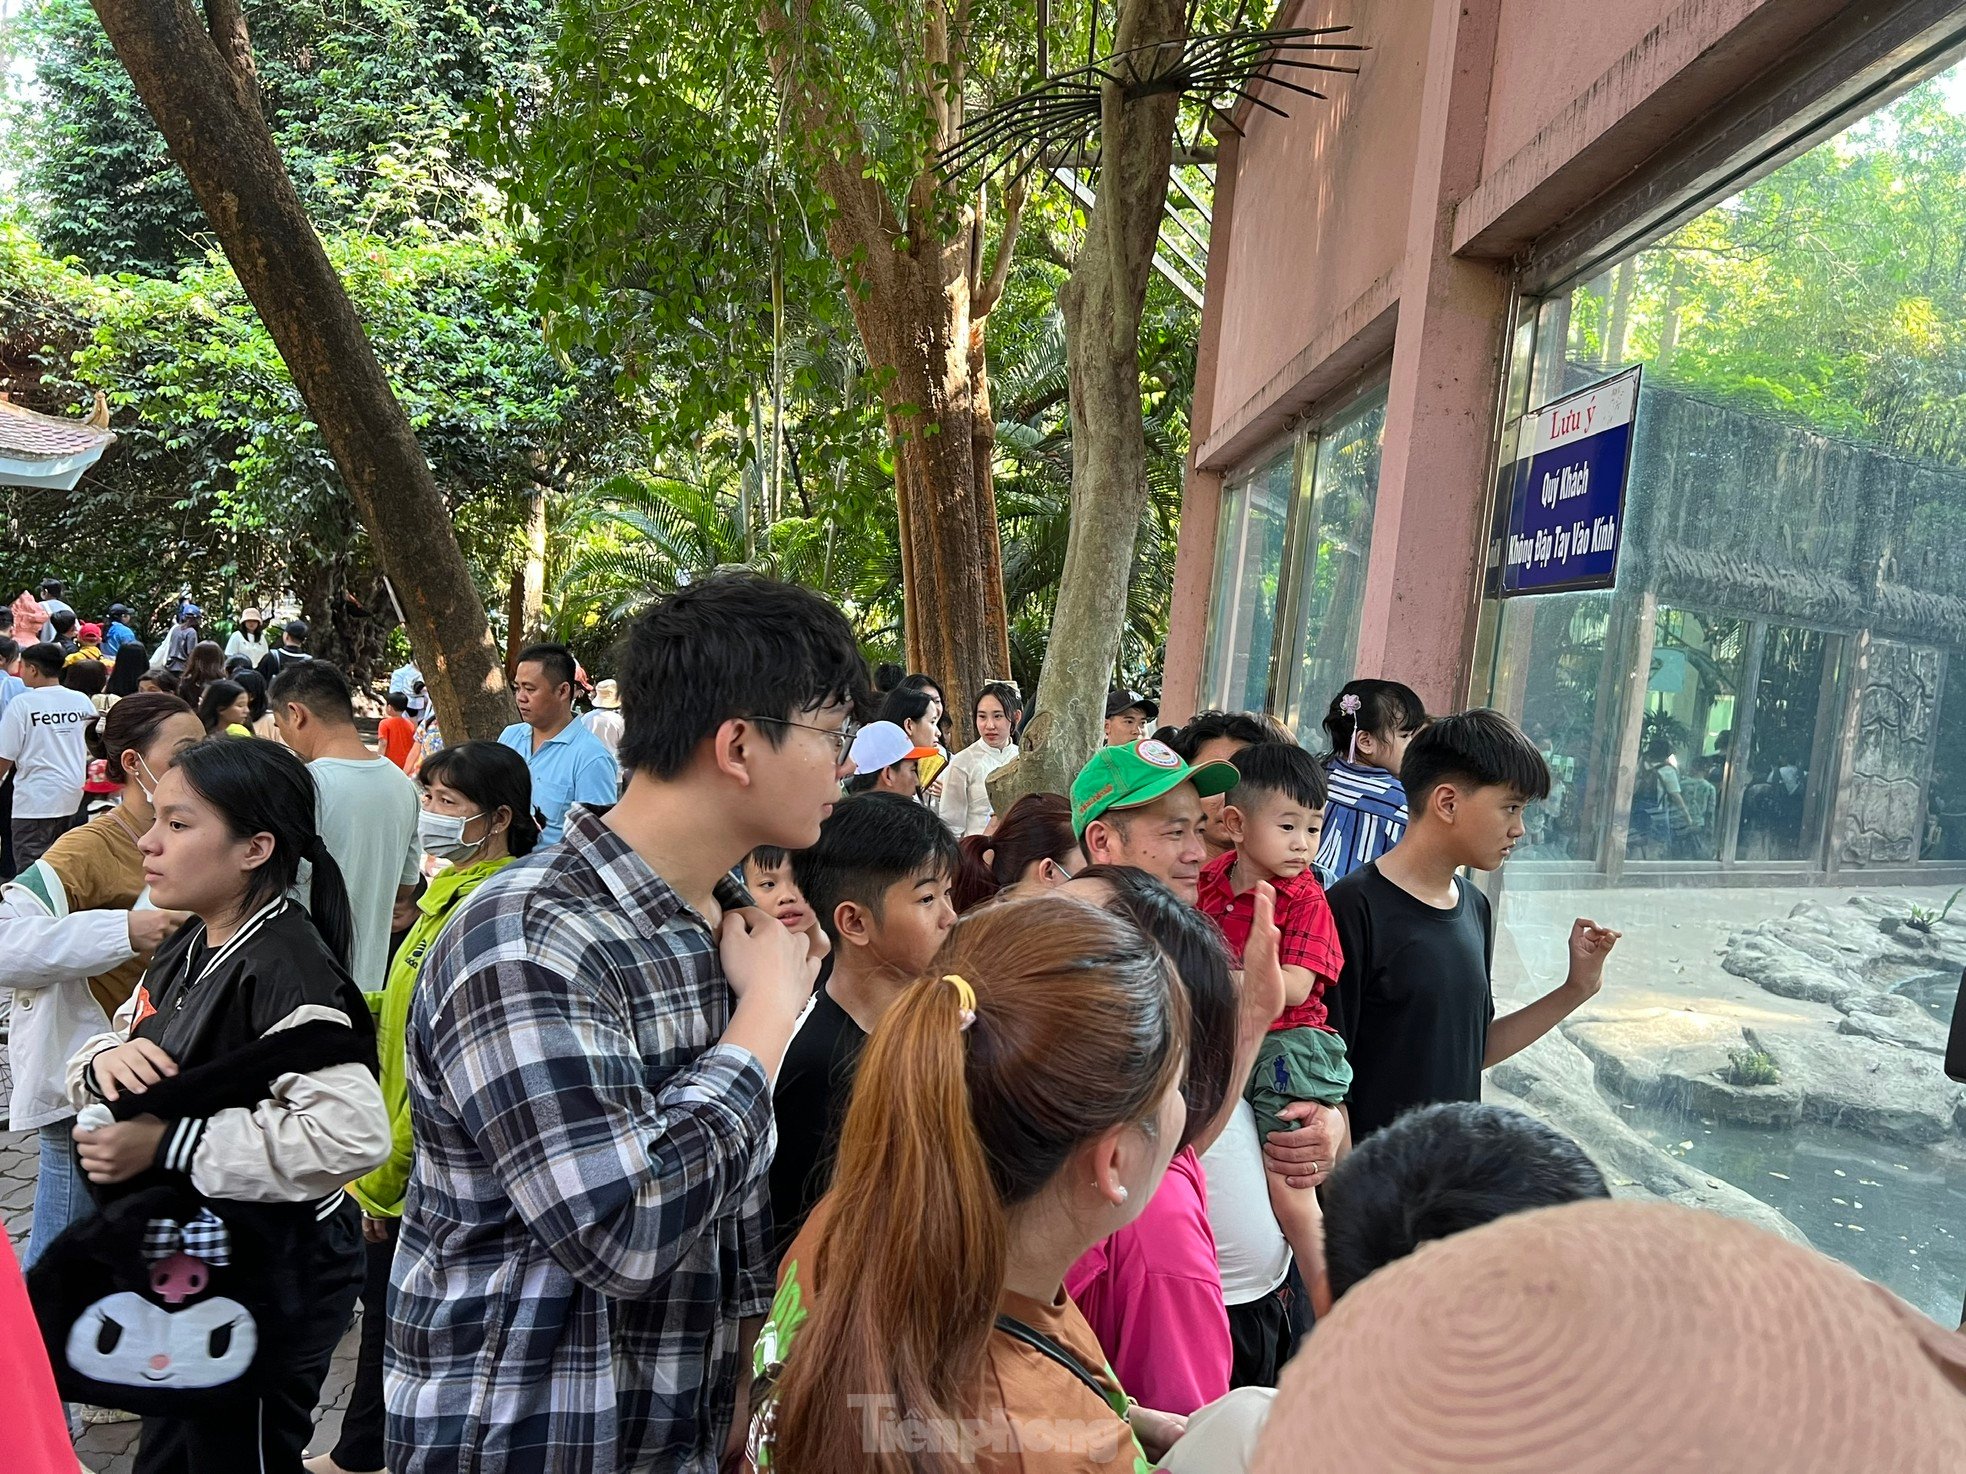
pixel 881 745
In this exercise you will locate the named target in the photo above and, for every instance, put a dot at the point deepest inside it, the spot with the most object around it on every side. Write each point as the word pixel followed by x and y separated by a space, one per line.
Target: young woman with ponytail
pixel 74 940
pixel 253 977
pixel 1032 850
pixel 1015 1106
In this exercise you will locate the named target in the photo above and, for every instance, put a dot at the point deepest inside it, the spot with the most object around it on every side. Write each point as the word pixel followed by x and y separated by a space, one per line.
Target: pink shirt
pixel 1153 1295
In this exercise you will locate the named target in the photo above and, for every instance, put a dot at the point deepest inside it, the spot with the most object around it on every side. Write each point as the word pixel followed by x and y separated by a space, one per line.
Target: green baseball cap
pixel 1138 773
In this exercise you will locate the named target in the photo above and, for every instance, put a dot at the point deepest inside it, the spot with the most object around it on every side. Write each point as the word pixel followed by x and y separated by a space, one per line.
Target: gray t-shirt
pixel 367 814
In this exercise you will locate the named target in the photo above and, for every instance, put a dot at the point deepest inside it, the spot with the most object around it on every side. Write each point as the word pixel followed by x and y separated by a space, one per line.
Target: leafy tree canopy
pixel 363 97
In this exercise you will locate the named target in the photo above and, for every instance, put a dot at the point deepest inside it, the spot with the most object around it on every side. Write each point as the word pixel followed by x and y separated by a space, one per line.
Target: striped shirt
pixel 1365 817
pixel 587 1217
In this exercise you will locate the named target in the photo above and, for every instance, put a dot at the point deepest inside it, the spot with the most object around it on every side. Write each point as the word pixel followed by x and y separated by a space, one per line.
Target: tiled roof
pixel 28 436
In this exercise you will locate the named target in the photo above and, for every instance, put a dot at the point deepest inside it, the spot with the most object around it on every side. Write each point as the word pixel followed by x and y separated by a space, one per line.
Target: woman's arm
pixel 314 1133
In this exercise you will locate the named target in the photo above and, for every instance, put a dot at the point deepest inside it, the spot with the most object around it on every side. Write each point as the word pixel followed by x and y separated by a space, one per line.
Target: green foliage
pixel 363 97
pixel 1752 1067
pixel 1924 918
pixel 1832 292
pixel 220 482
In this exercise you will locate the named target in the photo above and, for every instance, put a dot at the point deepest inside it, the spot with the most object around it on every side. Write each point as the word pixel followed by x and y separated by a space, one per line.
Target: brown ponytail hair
pixel 130 726
pixel 1079 1027
pixel 1037 827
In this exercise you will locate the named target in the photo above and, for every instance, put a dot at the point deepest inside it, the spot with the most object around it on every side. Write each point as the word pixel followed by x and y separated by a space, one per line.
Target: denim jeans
pixel 60 1194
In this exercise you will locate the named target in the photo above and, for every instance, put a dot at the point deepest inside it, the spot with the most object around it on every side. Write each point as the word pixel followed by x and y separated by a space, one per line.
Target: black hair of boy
pixel 868 843
pixel 64 621
pixel 1278 770
pixel 398 701
pixel 729 646
pixel 1383 706
pixel 46 658
pixel 1437 1171
pixel 1250 727
pixel 317 686
pixel 768 857
pixel 1479 748
pixel 9 650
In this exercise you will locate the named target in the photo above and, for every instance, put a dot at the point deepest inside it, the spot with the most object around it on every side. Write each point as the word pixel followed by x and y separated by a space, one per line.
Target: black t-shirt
pixel 1413 1003
pixel 809 1103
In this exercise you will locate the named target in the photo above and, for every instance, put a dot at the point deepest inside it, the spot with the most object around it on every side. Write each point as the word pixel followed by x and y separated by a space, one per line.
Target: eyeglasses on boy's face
pixel 841 738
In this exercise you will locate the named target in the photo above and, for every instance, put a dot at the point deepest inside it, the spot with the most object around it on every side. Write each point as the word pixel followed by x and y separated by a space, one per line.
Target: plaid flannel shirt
pixel 587 1217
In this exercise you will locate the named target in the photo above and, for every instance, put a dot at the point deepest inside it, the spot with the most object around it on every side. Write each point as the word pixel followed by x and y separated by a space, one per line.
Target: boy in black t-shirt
pixel 1414 1002
pixel 878 880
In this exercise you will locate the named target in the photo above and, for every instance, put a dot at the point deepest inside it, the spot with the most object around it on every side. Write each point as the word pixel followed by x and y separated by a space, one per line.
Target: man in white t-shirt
pixel 366 808
pixel 51 600
pixel 43 743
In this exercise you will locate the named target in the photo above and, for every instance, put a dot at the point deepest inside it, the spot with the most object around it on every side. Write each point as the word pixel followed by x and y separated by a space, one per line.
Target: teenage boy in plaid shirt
pixel 585 1250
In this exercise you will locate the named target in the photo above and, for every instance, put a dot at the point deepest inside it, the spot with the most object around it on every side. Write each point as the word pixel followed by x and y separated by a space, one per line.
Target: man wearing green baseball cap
pixel 1140 805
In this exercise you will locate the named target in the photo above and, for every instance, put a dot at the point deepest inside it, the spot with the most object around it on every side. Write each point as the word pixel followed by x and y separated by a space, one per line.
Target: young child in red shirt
pixel 396 733
pixel 1274 817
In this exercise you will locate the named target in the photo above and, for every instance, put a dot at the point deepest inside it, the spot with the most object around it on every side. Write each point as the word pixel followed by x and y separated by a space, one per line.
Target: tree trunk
pixel 1623 289
pixel 344 629
pixel 919 299
pixel 1102 302
pixel 200 87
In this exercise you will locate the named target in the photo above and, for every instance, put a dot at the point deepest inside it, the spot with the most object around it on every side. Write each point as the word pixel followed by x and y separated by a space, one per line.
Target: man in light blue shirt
pixel 570 765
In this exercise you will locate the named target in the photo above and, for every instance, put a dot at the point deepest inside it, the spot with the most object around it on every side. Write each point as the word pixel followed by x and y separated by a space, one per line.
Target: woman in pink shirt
pixel 1152 1292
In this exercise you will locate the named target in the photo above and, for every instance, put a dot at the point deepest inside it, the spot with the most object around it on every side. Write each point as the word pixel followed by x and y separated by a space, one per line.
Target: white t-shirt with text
pixel 42 734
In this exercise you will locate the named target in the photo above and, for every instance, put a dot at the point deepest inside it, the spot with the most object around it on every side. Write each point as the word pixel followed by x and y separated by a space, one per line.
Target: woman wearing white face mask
pixel 478 815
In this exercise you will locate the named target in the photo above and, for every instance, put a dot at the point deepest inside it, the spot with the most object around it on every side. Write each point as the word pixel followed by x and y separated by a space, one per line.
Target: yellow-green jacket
pixel 381 1192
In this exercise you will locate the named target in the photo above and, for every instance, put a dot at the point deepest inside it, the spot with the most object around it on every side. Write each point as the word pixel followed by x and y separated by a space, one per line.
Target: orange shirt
pixel 398 737
pixel 1035 1416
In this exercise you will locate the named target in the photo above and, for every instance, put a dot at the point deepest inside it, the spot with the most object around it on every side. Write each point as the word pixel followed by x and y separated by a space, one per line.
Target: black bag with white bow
pixel 166 1302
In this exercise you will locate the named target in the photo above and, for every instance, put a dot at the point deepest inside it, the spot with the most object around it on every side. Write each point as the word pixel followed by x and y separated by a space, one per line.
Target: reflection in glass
pixel 1249 562
pixel 1759 737
pixel 1686 735
pixel 1945 804
pixel 1550 672
pixel 1777 810
pixel 1330 578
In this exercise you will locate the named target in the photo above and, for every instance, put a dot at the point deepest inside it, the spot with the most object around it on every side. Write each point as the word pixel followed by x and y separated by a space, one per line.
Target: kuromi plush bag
pixel 166 1302
pixel 143 1306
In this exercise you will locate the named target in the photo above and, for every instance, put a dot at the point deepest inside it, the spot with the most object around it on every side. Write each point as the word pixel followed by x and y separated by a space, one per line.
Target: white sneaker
pixel 96 1416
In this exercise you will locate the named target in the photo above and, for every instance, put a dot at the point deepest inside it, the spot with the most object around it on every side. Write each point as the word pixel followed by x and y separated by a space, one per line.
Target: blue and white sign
pixel 1566 509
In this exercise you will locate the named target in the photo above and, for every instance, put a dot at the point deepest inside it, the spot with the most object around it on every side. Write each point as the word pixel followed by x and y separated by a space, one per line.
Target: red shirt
pixel 1309 935
pixel 397 736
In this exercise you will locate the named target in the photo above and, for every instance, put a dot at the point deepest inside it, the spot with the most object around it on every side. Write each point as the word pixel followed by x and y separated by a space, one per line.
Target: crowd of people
pixel 716 1080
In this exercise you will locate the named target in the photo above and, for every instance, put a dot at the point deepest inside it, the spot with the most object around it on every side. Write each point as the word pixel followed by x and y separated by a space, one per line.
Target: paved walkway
pixel 110 1448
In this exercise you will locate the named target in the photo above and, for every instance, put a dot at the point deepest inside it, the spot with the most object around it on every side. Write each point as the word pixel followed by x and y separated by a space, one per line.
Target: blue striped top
pixel 1364 818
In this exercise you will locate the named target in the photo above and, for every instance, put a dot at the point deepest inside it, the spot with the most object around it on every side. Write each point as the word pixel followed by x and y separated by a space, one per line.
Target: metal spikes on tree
pixel 1131 100
pixel 1059 116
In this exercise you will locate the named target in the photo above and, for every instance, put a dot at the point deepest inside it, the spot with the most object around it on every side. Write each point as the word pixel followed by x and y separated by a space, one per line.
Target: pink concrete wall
pixel 1323 197
pixel 1549 51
